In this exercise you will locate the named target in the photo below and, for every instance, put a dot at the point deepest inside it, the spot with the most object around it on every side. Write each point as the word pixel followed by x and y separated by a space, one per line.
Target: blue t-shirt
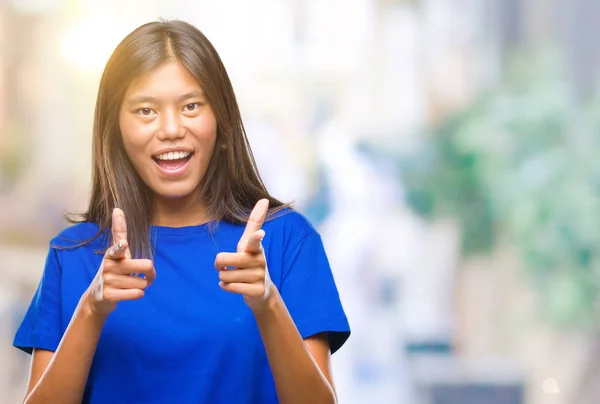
pixel 187 340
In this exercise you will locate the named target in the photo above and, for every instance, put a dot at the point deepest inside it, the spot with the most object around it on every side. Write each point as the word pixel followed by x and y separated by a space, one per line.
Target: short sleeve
pixel 310 293
pixel 41 327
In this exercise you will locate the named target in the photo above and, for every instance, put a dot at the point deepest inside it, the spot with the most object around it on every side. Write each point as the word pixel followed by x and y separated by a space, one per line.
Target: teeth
pixel 173 155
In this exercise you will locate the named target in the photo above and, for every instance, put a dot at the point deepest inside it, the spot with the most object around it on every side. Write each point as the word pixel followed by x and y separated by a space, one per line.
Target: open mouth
pixel 172 161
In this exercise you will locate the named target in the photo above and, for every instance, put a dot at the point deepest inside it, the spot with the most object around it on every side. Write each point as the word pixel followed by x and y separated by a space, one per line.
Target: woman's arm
pixel 301 369
pixel 61 377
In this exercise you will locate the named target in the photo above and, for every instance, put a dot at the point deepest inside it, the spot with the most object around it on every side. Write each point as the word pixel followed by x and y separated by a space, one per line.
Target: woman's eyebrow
pixel 192 94
pixel 140 99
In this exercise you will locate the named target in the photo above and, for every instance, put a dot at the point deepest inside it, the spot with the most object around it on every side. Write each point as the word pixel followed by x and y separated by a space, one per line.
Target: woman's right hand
pixel 117 279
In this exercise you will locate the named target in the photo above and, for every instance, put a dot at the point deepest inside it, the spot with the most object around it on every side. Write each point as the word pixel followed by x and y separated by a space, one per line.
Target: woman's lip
pixel 172 150
pixel 182 169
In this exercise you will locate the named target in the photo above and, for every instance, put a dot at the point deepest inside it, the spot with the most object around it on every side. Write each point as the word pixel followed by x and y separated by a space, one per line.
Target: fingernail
pixel 120 244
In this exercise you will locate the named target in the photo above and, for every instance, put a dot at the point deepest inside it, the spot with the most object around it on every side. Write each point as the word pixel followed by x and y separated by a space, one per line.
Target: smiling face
pixel 169 130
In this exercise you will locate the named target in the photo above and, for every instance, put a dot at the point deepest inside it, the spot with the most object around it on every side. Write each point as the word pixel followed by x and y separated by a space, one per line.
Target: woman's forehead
pixel 170 80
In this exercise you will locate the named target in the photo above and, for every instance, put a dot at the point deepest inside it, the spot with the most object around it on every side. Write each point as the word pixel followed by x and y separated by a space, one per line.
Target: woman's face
pixel 169 130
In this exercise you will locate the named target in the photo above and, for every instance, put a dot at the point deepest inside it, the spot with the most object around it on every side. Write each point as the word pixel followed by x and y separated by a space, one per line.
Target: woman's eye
pixel 192 106
pixel 145 111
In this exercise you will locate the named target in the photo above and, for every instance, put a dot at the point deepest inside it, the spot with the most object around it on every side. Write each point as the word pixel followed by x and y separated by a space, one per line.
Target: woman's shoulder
pixel 291 224
pixel 77 234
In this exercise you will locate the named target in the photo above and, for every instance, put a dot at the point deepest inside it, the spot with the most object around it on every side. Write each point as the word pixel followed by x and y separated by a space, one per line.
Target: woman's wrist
pixel 86 309
pixel 270 305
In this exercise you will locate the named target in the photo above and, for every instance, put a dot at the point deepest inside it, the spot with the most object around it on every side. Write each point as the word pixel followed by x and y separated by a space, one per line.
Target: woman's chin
pixel 174 194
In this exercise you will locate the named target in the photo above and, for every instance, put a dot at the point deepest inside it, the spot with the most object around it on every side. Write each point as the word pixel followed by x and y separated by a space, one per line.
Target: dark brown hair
pixel 231 186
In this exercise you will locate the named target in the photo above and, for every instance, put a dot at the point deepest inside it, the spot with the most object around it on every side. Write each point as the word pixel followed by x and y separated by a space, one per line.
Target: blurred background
pixel 447 150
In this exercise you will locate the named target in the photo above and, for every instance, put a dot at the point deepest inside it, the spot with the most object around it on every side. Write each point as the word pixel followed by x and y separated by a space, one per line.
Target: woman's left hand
pixel 245 271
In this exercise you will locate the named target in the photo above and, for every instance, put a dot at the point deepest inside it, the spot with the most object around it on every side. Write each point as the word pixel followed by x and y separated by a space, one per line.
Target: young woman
pixel 242 307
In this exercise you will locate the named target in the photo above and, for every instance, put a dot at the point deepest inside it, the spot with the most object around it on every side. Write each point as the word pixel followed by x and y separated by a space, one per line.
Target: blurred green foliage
pixel 522 165
pixel 14 153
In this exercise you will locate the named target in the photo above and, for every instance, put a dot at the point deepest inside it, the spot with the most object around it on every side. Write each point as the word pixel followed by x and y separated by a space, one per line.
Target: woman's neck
pixel 179 212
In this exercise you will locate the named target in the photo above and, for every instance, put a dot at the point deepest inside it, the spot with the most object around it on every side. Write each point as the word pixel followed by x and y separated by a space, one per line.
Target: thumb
pixel 255 222
pixel 119 227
